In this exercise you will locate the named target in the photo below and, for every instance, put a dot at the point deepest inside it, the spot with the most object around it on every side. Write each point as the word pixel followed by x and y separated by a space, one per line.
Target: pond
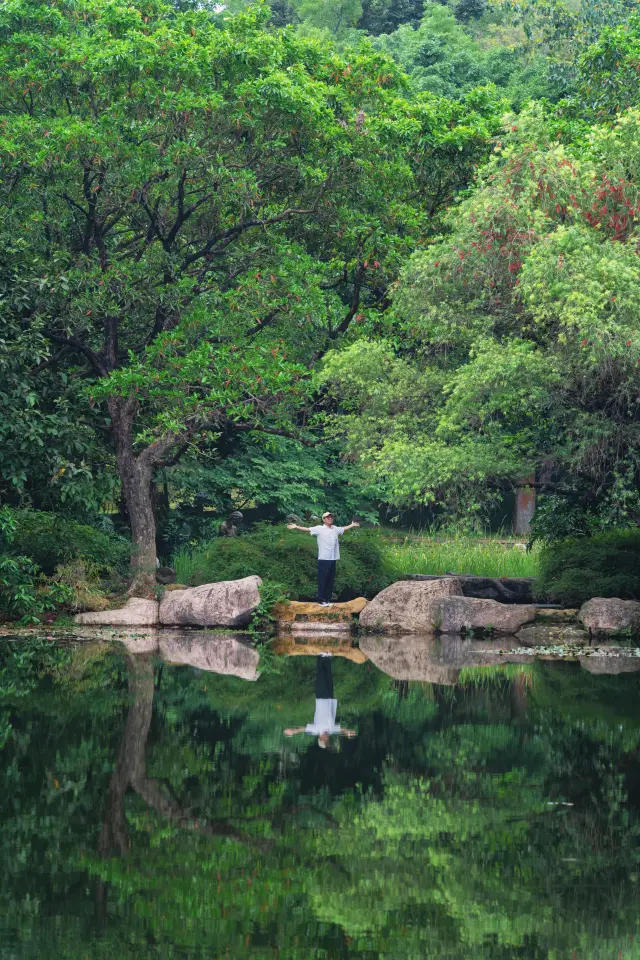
pixel 153 807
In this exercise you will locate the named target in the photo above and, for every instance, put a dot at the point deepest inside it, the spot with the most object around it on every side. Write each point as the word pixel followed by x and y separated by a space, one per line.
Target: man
pixel 324 720
pixel 328 553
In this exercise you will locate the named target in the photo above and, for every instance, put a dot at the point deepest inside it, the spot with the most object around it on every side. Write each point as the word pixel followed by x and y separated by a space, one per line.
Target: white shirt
pixel 324 720
pixel 328 546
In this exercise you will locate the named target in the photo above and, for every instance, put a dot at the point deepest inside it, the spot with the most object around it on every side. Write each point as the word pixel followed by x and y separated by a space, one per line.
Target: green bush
pixel 605 565
pixel 288 558
pixel 50 540
pixel 24 591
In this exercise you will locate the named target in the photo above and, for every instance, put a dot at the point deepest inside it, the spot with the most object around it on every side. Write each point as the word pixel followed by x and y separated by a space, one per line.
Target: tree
pixel 517 341
pixel 385 16
pixel 197 236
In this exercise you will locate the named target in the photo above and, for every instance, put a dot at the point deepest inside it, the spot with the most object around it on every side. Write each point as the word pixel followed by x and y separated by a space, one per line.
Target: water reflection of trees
pixel 202 831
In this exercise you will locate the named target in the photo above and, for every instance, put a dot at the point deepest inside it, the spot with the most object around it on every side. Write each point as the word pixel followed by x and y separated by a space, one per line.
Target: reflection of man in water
pixel 324 720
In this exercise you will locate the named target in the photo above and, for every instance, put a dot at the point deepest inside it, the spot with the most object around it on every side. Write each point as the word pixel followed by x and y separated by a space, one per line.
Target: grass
pixel 482 558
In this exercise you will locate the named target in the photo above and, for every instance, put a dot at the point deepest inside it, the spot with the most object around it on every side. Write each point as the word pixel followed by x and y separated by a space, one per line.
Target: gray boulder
pixel 461 614
pixel 610 615
pixel 213 652
pixel 407 606
pixel 229 603
pixel 504 589
pixel 135 613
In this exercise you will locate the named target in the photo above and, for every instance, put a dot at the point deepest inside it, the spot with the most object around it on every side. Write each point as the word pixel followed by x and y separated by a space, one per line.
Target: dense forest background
pixel 378 254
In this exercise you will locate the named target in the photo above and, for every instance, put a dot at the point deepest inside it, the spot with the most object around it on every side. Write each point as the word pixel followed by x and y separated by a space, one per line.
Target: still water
pixel 153 807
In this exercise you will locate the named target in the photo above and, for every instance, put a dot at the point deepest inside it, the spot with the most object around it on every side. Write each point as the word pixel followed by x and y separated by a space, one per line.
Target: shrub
pixel 50 540
pixel 605 565
pixel 288 558
pixel 24 592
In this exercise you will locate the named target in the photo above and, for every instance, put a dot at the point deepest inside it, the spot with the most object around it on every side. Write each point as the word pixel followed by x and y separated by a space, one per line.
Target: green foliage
pixel 608 70
pixel 275 475
pixel 604 565
pixel 460 554
pixel 262 619
pixel 441 56
pixel 515 346
pixel 185 291
pixel 385 16
pixel 49 540
pixel 51 454
pixel 287 558
pixel 24 592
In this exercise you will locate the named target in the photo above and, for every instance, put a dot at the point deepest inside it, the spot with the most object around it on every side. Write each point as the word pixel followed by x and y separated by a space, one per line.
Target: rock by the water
pixel 299 612
pixel 610 615
pixel 461 614
pixel 135 613
pixel 407 606
pixel 503 589
pixel 215 653
pixel 229 603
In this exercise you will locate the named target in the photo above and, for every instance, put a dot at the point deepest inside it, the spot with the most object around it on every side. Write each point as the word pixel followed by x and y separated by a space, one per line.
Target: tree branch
pixel 82 348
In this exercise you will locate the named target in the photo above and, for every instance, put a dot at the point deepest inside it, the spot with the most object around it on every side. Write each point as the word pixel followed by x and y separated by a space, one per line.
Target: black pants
pixel 326 576
pixel 324 675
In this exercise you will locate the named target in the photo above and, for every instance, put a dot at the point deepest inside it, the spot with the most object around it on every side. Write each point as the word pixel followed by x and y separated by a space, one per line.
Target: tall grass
pixel 483 558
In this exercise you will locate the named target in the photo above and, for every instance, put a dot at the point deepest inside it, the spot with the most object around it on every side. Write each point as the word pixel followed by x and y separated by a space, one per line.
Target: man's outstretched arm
pixel 290 732
pixel 351 526
pixel 294 526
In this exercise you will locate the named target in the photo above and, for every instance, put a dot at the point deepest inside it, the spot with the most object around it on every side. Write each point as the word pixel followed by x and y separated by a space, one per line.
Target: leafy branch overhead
pixel 204 208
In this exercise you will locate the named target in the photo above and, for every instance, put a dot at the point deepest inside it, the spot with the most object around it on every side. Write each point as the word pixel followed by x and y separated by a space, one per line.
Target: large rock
pixel 504 589
pixel 462 614
pixel 213 652
pixel 295 611
pixel 135 613
pixel 229 603
pixel 610 616
pixel 408 606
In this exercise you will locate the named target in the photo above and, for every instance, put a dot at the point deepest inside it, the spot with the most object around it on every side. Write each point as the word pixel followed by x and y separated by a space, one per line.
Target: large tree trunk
pixel 136 475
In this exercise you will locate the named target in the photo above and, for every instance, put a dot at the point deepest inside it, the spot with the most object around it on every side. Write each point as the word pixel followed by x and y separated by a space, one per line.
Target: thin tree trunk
pixel 136 474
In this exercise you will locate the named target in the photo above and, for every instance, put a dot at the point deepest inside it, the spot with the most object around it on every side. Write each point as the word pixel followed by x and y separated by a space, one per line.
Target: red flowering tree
pixel 521 332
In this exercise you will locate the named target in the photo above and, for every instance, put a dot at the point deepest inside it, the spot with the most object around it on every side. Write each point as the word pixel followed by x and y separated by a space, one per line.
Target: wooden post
pixel 525 506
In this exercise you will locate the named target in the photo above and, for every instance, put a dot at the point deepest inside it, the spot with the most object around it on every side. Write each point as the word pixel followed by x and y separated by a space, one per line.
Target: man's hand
pixel 289 733
pixel 292 526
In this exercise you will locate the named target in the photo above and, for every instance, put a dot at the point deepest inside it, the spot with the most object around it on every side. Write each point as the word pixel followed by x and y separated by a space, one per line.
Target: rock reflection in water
pixel 216 652
pixel 435 659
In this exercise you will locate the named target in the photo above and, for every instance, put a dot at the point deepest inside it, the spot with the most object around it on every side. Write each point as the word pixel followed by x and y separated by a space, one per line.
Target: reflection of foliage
pixel 460 847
